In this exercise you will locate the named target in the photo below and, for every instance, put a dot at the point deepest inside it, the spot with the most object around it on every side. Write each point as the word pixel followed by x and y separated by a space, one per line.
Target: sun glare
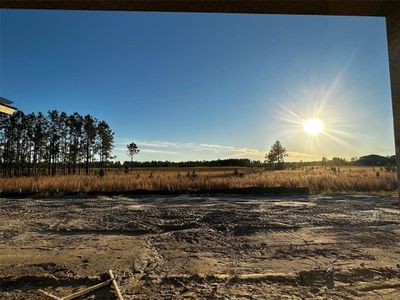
pixel 313 126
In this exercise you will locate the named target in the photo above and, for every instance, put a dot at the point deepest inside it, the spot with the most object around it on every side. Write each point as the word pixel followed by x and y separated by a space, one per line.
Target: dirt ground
pixel 202 247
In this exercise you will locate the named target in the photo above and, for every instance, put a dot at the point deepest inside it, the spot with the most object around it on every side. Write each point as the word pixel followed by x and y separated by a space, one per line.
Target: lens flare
pixel 315 119
pixel 313 126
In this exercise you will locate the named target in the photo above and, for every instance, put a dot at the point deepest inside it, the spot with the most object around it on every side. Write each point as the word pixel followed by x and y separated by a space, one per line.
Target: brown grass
pixel 318 180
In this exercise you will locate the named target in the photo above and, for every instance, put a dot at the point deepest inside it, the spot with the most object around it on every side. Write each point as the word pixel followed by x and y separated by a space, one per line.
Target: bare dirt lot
pixel 202 247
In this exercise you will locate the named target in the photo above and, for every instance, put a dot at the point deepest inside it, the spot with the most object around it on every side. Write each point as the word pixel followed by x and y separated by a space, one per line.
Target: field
pixel 202 247
pixel 318 179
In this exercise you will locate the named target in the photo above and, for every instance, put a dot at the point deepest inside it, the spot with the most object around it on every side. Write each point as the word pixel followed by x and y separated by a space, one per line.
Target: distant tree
pixel 337 161
pixel 105 143
pixel 64 143
pixel 132 151
pixel 89 139
pixel 75 135
pixel 324 160
pixel 275 158
pixel 40 131
pixel 54 137
pixel 19 129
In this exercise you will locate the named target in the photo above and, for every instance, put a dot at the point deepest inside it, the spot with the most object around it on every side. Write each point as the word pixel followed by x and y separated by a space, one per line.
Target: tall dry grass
pixel 318 180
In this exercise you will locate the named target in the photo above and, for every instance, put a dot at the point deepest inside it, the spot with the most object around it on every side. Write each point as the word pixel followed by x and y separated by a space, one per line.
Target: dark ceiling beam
pixel 298 7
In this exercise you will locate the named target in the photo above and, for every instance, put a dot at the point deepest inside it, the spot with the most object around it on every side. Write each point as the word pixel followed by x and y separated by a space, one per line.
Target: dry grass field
pixel 319 180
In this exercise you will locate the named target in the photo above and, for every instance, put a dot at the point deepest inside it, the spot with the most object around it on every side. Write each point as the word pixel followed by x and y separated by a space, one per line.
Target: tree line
pixel 53 143
pixel 232 162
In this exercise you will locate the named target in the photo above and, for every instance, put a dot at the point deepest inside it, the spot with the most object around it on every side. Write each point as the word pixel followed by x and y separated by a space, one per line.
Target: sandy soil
pixel 190 247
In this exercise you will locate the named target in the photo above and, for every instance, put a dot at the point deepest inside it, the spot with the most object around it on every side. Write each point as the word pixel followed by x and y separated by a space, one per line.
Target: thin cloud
pixel 297 156
pixel 160 151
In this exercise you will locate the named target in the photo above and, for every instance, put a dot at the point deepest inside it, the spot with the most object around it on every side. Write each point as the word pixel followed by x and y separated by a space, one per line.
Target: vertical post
pixel 393 34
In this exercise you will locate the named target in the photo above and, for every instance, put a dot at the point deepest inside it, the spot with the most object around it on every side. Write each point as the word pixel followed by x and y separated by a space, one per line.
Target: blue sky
pixel 205 86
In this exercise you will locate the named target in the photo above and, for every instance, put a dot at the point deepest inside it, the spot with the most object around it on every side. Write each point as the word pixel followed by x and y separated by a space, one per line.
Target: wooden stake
pixel 115 285
pixel 87 290
pixel 50 295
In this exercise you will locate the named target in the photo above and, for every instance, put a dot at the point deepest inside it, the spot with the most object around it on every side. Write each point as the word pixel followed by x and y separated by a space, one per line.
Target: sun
pixel 313 126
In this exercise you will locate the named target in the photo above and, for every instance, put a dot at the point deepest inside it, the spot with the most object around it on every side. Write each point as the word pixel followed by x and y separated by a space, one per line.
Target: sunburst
pixel 313 126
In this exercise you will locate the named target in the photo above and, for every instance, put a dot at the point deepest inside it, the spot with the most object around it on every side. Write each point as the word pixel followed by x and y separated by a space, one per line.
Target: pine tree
pixel 105 143
pixel 89 140
pixel 276 156
pixel 132 151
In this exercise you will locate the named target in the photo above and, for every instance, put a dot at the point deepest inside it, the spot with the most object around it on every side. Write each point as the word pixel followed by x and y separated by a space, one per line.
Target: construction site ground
pixel 202 247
